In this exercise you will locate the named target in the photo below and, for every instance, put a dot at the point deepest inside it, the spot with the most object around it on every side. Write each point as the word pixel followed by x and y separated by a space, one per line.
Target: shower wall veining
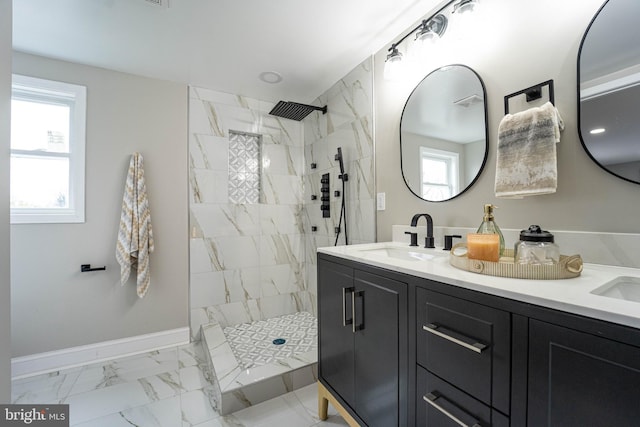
pixel 254 261
pixel 348 124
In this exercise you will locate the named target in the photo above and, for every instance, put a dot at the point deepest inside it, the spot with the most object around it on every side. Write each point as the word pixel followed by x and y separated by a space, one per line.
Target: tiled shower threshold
pixel 239 384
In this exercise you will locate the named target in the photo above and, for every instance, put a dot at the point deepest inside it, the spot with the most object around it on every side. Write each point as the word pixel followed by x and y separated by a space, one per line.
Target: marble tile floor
pixel 166 388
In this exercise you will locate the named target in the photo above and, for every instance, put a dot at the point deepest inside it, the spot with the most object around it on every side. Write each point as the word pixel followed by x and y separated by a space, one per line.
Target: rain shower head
pixel 294 110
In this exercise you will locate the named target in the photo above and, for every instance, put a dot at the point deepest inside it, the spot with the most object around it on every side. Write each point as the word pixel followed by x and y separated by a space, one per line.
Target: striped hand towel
pixel 526 163
pixel 135 238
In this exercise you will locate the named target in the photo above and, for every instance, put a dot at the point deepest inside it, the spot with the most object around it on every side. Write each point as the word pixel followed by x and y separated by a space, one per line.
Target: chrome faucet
pixel 429 240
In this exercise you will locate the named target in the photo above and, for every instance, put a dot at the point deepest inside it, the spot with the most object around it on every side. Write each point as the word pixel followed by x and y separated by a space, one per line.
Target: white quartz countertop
pixel 569 295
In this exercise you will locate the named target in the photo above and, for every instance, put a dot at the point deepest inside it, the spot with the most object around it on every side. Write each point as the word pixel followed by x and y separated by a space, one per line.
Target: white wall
pixel 510 49
pixel 5 125
pixel 54 306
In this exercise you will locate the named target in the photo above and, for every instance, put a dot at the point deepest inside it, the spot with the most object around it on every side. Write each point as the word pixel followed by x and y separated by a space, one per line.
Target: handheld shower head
pixel 343 176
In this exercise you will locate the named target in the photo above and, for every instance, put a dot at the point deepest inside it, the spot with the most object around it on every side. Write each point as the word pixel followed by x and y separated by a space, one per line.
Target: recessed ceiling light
pixel 271 77
pixel 596 131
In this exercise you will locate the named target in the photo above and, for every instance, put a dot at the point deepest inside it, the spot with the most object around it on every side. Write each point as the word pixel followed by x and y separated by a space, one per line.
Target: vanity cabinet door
pixel 335 334
pixel 362 342
pixel 578 379
pixel 380 357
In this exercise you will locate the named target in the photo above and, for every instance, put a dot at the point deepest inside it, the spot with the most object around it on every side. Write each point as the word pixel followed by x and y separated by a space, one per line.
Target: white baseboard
pixel 51 361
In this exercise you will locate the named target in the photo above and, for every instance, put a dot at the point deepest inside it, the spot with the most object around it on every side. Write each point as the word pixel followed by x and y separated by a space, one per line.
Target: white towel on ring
pixel 526 163
pixel 135 238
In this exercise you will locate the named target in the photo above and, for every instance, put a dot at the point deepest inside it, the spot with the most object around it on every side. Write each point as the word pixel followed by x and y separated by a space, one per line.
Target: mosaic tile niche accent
pixel 244 168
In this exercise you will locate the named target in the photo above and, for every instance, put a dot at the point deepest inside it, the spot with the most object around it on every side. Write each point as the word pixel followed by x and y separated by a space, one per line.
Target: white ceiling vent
pixel 468 100
pixel 158 3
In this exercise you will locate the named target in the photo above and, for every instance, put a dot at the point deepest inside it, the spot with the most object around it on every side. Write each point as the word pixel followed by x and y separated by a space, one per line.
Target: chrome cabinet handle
pixel 346 322
pixel 459 339
pixel 431 398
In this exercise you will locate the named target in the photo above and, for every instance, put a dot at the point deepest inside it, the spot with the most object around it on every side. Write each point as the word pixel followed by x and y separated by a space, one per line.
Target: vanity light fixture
pixel 465 6
pixel 597 131
pixel 393 63
pixel 429 31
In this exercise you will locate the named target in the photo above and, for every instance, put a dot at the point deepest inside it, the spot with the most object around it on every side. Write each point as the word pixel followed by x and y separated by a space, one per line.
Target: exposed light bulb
pixel 393 65
pixel 465 6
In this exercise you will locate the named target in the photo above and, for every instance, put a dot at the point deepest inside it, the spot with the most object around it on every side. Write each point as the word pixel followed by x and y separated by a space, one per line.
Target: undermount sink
pixel 624 287
pixel 408 254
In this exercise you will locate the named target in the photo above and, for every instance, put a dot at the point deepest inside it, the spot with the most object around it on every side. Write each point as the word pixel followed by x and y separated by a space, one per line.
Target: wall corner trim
pixel 51 361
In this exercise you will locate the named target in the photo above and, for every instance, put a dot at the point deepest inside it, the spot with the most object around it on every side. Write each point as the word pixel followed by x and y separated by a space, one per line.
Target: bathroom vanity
pixel 406 339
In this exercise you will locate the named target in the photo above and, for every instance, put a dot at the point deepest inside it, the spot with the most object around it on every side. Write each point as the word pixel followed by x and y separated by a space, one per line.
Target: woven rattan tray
pixel 568 267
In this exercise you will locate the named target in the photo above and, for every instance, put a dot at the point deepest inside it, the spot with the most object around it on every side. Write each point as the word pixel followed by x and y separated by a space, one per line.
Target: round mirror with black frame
pixel 609 89
pixel 443 133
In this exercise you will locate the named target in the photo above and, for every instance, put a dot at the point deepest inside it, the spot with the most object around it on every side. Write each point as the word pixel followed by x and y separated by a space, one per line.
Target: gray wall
pixel 54 306
pixel 5 124
pixel 510 51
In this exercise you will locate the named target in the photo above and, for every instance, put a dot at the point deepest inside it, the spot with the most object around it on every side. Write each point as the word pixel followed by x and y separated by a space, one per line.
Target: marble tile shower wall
pixel 348 124
pixel 246 260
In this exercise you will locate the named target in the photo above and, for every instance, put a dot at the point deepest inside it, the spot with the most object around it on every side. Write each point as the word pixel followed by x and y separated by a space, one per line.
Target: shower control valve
pixel 336 193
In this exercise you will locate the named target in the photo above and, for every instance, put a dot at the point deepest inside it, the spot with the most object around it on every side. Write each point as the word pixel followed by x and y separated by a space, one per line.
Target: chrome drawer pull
pixel 471 345
pixel 431 398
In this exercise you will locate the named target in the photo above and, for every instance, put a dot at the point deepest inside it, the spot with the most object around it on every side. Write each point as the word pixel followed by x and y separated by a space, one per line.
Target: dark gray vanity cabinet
pixel 363 329
pixel 398 350
pixel 464 358
pixel 578 379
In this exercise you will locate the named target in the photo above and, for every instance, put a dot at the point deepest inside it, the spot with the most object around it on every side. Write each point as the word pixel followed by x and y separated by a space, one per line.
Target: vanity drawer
pixel 439 404
pixel 466 344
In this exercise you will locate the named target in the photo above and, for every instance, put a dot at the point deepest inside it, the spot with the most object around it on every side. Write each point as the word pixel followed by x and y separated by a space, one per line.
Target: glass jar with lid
pixel 536 247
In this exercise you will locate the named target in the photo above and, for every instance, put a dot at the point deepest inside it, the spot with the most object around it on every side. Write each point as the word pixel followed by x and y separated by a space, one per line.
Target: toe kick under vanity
pixel 413 341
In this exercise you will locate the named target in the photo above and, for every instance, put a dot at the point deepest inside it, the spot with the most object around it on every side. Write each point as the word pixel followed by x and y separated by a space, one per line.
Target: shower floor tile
pixel 253 343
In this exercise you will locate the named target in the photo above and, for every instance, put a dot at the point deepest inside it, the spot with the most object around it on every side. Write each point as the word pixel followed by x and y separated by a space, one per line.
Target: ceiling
pixel 221 45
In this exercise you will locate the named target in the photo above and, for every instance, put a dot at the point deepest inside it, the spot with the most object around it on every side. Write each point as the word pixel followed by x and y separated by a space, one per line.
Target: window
pixel 439 173
pixel 47 151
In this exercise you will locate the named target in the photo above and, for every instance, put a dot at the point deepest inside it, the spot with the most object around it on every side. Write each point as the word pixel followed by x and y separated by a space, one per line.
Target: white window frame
pixel 451 159
pixel 41 90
